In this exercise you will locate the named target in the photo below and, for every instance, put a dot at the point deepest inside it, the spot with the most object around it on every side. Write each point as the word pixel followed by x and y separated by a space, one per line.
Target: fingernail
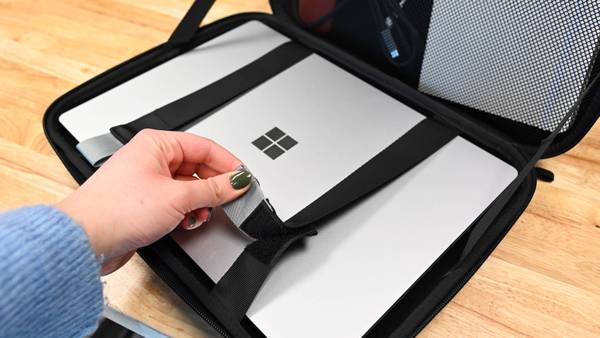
pixel 241 179
pixel 192 222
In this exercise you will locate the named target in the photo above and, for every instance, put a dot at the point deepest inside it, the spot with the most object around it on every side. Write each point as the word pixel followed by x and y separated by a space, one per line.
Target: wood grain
pixel 542 280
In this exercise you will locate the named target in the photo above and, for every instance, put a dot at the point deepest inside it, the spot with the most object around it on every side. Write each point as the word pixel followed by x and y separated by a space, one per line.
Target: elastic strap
pixel 187 109
pixel 189 24
pixel 420 142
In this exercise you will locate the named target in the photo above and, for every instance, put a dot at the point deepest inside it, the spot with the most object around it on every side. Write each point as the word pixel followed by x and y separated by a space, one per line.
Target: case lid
pixel 517 69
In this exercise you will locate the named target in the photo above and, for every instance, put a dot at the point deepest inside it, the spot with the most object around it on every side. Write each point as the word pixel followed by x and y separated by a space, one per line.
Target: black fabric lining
pixel 178 113
pixel 425 298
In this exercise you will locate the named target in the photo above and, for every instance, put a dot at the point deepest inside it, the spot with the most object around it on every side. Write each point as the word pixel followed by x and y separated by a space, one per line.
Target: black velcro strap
pixel 241 283
pixel 185 110
pixel 189 24
pixel 263 223
pixel 420 142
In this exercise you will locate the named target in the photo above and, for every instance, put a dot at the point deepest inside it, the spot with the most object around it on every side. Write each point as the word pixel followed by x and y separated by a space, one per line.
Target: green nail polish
pixel 240 179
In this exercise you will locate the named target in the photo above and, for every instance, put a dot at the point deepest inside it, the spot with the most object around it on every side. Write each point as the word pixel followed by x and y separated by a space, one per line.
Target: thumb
pixel 217 190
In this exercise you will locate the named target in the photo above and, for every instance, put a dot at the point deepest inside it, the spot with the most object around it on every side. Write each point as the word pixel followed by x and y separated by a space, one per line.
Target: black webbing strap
pixel 420 142
pixel 488 217
pixel 189 24
pixel 185 110
pixel 238 288
pixel 263 223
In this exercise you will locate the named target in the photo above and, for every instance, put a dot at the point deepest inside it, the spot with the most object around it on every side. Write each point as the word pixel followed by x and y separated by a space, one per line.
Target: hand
pixel 148 187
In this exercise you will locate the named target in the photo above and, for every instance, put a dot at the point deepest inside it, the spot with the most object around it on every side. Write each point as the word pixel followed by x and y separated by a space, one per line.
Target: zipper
pixel 192 304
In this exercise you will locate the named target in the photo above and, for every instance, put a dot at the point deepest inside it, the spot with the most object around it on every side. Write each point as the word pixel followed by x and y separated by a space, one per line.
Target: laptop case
pixel 343 34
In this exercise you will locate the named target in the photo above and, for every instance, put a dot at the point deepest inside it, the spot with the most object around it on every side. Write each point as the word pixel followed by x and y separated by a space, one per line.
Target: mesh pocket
pixel 525 60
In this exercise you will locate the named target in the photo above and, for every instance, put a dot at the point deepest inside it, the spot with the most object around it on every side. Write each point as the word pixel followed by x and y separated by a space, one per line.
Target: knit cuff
pixel 50 276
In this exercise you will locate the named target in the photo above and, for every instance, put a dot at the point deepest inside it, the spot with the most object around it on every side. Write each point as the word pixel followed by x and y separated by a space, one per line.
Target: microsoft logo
pixel 274 143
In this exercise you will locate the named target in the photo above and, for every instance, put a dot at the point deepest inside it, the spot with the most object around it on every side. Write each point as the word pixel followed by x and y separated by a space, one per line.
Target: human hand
pixel 148 187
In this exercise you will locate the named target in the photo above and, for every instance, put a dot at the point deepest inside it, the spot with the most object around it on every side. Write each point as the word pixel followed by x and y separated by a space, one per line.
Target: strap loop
pixel 189 24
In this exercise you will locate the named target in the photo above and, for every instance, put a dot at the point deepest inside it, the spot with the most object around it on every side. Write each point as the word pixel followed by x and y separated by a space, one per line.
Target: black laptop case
pixel 348 33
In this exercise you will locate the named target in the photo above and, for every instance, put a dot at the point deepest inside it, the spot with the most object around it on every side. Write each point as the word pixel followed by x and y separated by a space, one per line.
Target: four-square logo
pixel 274 143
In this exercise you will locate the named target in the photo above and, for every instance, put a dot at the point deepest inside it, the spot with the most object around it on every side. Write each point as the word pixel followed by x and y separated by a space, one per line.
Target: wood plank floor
pixel 542 280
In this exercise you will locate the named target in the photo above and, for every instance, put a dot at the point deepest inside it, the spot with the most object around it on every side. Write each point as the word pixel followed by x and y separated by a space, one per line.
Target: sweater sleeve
pixel 49 277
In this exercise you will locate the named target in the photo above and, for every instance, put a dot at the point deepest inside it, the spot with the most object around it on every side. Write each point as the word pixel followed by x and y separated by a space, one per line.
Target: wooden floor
pixel 543 280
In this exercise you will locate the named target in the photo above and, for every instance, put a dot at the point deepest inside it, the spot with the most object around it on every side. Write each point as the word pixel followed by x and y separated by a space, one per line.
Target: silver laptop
pixel 301 133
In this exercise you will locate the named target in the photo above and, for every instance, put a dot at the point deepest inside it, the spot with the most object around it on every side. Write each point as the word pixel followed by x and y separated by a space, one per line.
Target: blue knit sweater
pixel 49 277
